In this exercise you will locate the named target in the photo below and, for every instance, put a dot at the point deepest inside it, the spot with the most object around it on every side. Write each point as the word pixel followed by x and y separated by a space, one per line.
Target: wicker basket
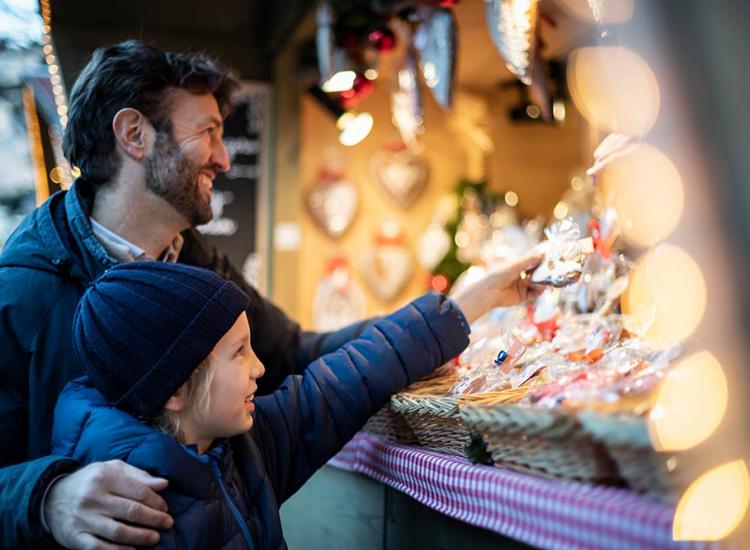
pixel 644 469
pixel 436 419
pixel 551 443
pixel 392 426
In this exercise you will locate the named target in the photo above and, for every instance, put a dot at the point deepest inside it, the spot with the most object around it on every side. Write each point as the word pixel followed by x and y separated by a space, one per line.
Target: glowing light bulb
pixel 340 82
pixel 356 129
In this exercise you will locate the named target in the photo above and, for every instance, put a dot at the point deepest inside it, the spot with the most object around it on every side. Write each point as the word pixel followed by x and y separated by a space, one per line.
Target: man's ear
pixel 132 132
pixel 176 403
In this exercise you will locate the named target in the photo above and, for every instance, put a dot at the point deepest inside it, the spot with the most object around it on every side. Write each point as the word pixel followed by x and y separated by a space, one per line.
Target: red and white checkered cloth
pixel 538 511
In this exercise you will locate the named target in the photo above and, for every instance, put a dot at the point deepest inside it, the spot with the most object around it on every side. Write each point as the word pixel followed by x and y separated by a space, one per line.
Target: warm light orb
pixel 714 504
pixel 645 189
pixel 614 89
pixel 356 129
pixel 666 296
pixel 690 405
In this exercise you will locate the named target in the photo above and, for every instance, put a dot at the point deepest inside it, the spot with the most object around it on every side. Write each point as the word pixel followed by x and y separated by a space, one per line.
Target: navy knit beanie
pixel 143 327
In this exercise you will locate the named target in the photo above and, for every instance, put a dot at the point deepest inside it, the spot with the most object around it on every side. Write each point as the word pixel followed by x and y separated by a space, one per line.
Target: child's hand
pixel 506 285
pixel 107 501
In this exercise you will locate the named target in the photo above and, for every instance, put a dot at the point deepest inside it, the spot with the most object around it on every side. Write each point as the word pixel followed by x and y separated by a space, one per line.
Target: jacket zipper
pixel 232 505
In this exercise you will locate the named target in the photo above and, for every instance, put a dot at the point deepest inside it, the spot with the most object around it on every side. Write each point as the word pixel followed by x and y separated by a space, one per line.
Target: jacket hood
pixel 88 428
pixel 57 238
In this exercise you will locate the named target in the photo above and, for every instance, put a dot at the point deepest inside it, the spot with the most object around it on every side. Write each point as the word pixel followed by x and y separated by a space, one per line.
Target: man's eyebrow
pixel 214 121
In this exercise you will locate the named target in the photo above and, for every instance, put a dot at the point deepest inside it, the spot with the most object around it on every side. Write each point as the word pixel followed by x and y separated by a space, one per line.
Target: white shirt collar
pixel 114 237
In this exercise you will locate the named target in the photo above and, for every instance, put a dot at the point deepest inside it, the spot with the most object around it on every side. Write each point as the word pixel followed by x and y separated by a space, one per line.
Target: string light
pixel 50 58
pixel 62 171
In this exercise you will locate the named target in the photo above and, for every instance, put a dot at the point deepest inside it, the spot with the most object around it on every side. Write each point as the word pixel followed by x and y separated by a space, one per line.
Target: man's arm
pixel 98 499
pixel 22 487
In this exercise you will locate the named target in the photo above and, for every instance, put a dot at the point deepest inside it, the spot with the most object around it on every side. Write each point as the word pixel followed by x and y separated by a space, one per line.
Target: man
pixel 145 128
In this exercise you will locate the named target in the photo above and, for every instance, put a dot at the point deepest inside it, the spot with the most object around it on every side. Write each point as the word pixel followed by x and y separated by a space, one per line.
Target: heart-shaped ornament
pixel 332 204
pixel 339 301
pixel 387 265
pixel 400 172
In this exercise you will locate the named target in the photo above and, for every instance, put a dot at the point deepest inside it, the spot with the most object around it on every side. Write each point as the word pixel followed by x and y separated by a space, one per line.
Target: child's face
pixel 232 389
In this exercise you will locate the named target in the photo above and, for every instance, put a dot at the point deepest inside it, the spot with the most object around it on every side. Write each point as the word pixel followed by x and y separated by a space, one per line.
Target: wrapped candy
pixel 564 255
pixel 492 373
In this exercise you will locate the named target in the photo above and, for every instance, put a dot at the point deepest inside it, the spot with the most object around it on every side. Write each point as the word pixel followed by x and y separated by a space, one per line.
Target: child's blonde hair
pixel 196 401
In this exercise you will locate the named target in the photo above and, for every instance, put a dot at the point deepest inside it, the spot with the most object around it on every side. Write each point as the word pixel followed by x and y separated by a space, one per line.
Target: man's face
pixel 183 164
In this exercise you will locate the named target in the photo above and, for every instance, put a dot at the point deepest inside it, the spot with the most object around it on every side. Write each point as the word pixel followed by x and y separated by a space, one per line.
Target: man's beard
pixel 173 177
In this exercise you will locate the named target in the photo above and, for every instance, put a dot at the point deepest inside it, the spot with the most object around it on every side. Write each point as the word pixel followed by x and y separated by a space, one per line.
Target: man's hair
pixel 132 74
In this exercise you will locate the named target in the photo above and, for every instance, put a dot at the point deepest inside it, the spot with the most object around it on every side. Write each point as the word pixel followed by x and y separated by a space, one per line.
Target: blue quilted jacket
pixel 230 496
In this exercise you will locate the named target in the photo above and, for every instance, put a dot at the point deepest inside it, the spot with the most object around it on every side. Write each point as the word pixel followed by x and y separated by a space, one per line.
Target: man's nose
pixel 220 156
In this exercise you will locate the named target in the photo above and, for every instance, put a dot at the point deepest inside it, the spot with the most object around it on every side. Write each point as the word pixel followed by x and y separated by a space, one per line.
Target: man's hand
pixel 106 505
pixel 506 285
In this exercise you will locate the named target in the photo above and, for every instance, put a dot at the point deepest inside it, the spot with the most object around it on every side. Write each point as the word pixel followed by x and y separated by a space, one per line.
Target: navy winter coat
pixel 231 498
pixel 44 269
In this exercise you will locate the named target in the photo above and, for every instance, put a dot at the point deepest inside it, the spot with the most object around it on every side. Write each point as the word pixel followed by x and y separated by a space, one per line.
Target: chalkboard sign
pixel 240 199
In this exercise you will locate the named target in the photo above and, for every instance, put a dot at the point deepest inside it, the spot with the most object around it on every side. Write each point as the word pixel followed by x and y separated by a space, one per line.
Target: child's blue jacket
pixel 230 497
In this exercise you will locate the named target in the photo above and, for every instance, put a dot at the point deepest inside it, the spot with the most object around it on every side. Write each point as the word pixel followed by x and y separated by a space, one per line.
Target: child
pixel 170 389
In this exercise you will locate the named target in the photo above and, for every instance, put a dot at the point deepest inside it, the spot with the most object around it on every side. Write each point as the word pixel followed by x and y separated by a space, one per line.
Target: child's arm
pixel 304 423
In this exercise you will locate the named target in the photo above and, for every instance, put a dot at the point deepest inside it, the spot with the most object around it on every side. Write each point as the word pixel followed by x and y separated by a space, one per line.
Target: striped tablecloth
pixel 538 511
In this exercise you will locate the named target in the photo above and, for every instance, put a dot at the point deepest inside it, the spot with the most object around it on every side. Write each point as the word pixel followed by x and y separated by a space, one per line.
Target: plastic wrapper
pixel 564 255
pixel 492 373
pixel 629 369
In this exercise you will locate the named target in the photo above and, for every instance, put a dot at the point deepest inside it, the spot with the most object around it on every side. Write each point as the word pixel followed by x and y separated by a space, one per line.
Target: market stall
pixel 578 420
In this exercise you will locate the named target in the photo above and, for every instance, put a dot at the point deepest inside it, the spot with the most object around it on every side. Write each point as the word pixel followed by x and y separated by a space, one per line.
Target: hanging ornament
pixel 361 88
pixel 332 203
pixel 436 40
pixel 432 246
pixel 599 11
pixel 512 25
pixel 538 92
pixel 406 101
pixel 324 40
pixel 338 301
pixel 387 265
pixel 472 229
pixel 382 39
pixel 401 172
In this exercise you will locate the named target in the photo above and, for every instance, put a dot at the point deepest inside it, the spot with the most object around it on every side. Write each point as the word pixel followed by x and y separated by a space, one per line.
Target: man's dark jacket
pixel 45 267
pixel 230 497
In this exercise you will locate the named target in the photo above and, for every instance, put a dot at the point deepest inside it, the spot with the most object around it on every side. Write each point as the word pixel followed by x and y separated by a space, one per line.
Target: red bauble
pixel 383 39
pixel 448 3
pixel 362 86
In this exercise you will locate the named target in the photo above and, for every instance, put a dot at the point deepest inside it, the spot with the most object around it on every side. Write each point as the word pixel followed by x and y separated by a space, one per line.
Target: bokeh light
pixel 690 404
pixel 666 296
pixel 645 189
pixel 714 504
pixel 614 89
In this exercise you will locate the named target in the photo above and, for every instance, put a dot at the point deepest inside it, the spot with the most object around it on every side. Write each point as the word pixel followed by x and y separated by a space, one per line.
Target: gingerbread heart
pixel 387 269
pixel 332 204
pixel 401 173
